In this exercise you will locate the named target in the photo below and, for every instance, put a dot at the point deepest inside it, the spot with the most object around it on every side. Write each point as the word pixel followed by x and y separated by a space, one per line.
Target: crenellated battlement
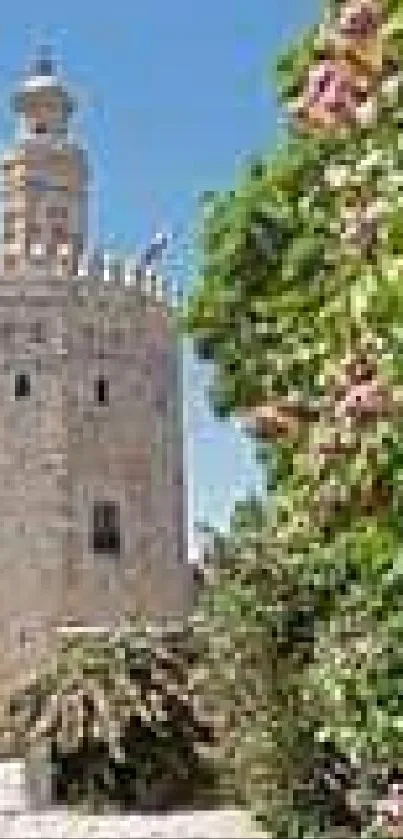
pixel 118 272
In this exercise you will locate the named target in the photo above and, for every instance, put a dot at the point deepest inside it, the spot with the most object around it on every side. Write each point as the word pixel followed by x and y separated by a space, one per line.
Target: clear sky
pixel 173 94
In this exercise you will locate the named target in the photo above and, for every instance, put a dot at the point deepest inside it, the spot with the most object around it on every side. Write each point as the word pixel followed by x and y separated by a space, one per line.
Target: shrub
pixel 122 716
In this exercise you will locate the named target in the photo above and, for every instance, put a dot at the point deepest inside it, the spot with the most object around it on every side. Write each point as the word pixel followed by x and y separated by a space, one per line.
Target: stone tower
pixel 92 495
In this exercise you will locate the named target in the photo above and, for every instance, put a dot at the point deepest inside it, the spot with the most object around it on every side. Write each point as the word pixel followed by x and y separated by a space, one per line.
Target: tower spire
pixel 45 204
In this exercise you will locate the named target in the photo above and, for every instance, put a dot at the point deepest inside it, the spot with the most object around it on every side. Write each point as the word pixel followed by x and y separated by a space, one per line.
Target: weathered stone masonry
pixel 92 495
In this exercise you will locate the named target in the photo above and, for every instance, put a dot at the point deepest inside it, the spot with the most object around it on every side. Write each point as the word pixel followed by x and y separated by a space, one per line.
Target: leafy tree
pixel 298 306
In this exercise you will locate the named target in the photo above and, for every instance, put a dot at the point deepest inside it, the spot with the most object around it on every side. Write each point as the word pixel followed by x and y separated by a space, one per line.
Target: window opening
pixel 102 391
pixel 57 212
pixel 38 332
pixel 8 331
pixel 22 386
pixel 106 528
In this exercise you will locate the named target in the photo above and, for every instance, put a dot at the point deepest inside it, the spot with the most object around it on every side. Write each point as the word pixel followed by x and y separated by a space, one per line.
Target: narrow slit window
pixel 8 331
pixel 102 391
pixel 106 528
pixel 38 332
pixel 22 386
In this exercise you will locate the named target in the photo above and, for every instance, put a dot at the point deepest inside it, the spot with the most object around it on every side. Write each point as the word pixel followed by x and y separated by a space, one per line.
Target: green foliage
pixel 292 66
pixel 122 716
pixel 304 604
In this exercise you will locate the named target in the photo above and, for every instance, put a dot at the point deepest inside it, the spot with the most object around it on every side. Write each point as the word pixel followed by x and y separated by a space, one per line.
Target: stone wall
pixel 60 451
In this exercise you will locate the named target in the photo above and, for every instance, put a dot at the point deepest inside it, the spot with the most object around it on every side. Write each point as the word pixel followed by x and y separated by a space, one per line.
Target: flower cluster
pixel 360 19
pixel 362 395
pixel 338 89
pixel 333 92
pixel 390 811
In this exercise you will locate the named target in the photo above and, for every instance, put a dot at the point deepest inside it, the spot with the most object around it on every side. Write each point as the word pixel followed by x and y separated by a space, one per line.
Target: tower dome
pixel 42 78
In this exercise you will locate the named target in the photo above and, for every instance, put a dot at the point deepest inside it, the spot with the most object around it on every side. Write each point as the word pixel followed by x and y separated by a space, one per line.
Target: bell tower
pixel 44 175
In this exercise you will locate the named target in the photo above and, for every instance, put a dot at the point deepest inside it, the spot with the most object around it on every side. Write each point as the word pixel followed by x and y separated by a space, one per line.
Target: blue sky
pixel 174 95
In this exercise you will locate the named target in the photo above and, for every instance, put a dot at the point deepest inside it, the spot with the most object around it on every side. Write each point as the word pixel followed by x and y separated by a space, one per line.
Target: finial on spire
pixel 43 64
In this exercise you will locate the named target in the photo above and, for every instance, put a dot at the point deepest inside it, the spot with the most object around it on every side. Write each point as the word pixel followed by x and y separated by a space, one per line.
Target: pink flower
pixel 390 811
pixel 331 91
pixel 359 19
pixel 362 398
